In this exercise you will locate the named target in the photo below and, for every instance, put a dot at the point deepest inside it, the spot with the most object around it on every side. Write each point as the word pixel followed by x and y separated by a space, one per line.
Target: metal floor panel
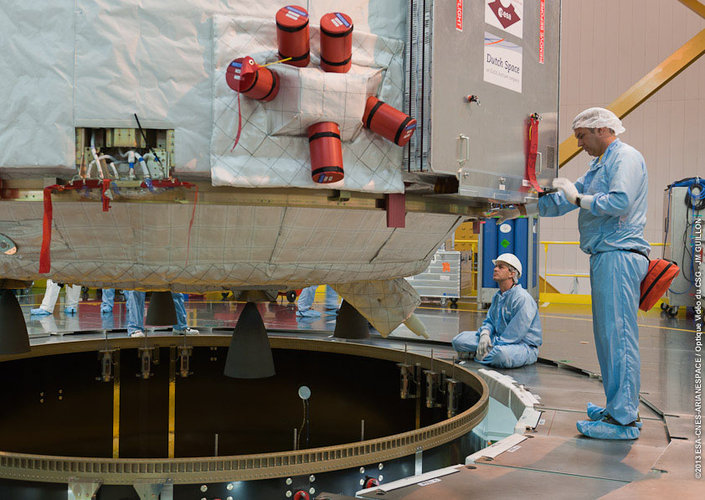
pixel 617 460
pixel 674 457
pixel 662 487
pixel 558 423
pixel 680 426
pixel 509 483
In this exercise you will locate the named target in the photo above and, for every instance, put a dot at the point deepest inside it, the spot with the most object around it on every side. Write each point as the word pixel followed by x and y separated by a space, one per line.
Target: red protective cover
pixel 246 77
pixel 387 121
pixel 240 73
pixel 659 277
pixel 336 42
pixel 292 35
pixel 326 152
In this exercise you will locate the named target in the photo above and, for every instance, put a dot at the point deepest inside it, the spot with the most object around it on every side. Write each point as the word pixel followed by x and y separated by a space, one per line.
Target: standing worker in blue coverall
pixel 612 197
pixel 510 336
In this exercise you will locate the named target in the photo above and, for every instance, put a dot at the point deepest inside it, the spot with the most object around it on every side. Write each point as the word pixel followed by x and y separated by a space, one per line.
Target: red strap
pixel 106 201
pixel 45 254
pixel 533 143
pixel 239 122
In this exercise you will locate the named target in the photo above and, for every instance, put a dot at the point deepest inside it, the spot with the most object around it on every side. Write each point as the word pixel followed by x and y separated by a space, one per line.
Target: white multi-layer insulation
pixel 80 63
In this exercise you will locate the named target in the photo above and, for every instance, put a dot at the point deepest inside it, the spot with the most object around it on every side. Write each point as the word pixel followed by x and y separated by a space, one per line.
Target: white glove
pixel 483 346
pixel 586 201
pixel 568 188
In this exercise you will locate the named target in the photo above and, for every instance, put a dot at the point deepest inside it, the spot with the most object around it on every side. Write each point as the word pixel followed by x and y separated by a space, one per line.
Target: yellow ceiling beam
pixel 695 6
pixel 671 67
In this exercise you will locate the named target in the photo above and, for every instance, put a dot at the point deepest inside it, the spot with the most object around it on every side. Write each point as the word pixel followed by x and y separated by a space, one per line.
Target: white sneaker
pixel 186 331
pixel 137 333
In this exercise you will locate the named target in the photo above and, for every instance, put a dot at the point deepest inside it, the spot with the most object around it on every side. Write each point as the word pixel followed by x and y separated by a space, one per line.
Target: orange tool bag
pixel 656 282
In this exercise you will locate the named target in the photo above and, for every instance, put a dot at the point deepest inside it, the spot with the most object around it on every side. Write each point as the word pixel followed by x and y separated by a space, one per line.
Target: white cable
pixel 95 159
pixel 143 164
pixel 131 162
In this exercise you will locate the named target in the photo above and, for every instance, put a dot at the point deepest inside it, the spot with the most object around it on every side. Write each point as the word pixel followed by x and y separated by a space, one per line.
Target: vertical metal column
pixel 116 404
pixel 172 400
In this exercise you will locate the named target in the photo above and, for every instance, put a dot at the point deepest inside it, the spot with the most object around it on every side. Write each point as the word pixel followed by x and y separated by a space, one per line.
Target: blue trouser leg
pixel 306 298
pixel 135 310
pixel 511 356
pixel 331 298
pixel 108 300
pixel 615 279
pixel 466 341
pixel 180 311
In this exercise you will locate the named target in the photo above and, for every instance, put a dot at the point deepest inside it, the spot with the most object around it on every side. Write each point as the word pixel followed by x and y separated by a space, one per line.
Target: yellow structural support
pixel 671 67
pixel 695 6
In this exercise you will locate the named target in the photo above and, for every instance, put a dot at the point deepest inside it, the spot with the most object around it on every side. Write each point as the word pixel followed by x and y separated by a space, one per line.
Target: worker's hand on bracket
pixel 504 214
pixel 568 188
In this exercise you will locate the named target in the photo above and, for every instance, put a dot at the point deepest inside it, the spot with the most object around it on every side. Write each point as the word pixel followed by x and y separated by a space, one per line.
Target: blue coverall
pixel 612 227
pixel 108 300
pixel 515 330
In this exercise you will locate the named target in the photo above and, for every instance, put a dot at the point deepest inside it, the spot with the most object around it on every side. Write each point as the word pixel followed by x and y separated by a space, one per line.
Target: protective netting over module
pixel 273 149
pixel 232 247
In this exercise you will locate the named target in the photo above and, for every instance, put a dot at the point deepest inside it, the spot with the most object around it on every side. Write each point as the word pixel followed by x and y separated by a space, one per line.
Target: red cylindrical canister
pixel 326 152
pixel 244 76
pixel 389 122
pixel 336 42
pixel 292 35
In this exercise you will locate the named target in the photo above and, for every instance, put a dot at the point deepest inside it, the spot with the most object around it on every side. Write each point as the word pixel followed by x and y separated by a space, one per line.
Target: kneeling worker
pixel 510 336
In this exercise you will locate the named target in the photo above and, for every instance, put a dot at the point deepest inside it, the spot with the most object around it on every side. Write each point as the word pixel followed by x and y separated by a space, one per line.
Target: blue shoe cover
pixel 595 412
pixel 39 312
pixel 70 310
pixel 105 311
pixel 604 430
pixel 309 313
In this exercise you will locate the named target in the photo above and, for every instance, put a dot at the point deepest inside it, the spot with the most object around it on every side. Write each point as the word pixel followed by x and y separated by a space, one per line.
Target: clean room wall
pixel 606 47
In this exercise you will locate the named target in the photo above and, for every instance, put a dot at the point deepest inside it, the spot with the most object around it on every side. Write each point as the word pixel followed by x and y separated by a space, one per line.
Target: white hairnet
pixel 598 118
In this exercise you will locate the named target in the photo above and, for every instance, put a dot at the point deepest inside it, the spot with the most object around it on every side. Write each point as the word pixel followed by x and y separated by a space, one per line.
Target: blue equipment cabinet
pixel 518 236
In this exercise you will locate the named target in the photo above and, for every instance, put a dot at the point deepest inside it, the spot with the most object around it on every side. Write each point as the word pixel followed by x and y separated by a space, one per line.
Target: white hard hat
pixel 511 259
pixel 598 118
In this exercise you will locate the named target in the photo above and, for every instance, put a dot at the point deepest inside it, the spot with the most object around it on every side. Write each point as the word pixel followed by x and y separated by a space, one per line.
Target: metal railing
pixel 546 274
pixel 546 244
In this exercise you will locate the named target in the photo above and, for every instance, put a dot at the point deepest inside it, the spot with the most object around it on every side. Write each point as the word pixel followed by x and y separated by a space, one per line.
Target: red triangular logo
pixel 506 16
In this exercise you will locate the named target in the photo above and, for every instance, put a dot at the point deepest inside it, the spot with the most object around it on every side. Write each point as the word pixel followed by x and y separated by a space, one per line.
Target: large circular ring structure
pixel 62 469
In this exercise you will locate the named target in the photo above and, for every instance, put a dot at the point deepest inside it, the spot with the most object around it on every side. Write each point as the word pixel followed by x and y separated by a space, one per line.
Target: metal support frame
pixel 695 6
pixel 31 190
pixel 116 404
pixel 171 439
pixel 82 489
